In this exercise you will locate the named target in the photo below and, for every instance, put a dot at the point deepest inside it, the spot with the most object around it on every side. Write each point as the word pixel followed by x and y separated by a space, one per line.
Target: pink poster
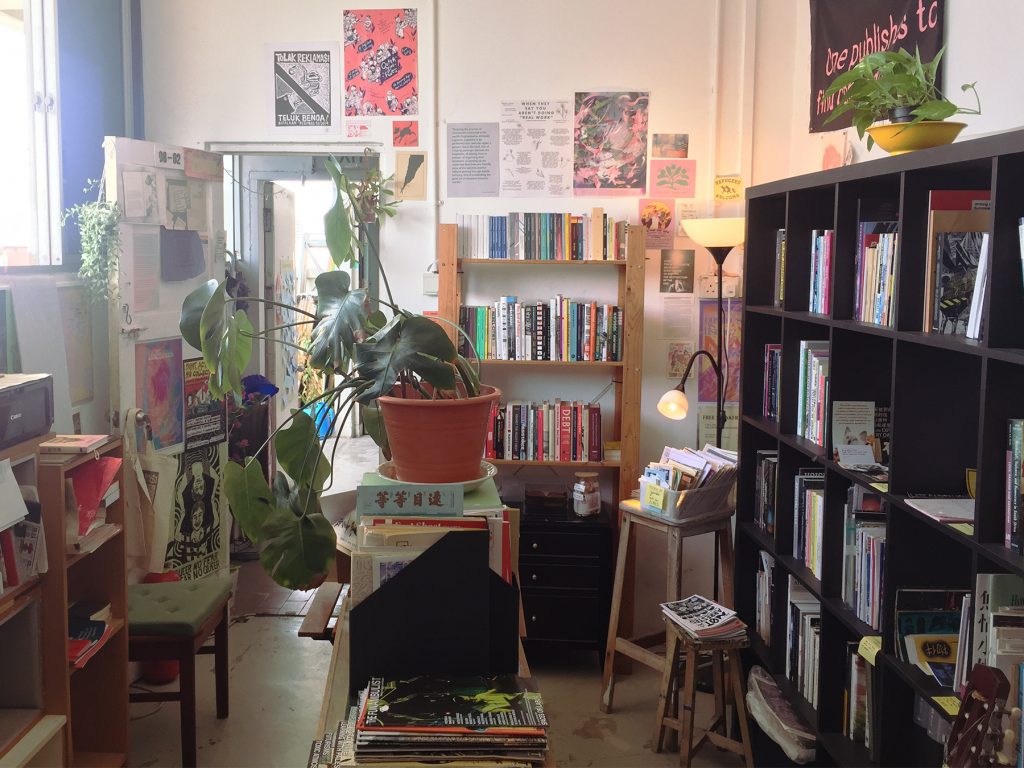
pixel 707 387
pixel 610 144
pixel 381 71
pixel 158 389
pixel 675 177
pixel 656 218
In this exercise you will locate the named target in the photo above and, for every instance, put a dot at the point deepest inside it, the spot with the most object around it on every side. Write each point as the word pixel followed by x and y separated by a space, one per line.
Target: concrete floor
pixel 277 681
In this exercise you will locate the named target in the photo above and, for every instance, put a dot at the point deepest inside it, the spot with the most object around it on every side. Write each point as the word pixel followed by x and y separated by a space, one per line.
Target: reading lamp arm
pixel 681 386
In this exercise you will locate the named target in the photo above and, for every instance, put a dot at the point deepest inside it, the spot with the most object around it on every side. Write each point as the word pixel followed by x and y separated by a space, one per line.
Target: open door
pixel 172 241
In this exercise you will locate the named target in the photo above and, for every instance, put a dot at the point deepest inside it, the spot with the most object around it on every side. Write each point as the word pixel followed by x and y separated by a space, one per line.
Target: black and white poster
pixel 198 542
pixel 305 87
pixel 844 32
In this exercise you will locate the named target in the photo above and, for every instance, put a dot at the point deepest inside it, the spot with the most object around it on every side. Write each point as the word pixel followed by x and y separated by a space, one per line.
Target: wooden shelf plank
pixel 923 685
pixel 566 464
pixel 845 752
pixel 846 615
pixel 15 723
pixel 959 344
pixel 555 363
pixel 803 574
pixel 762 309
pixel 547 262
pixel 71 558
pixel 11 594
pixel 751 529
pixel 862 327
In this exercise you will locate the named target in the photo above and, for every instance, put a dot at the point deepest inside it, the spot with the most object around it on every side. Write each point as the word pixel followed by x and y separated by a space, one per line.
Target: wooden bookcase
pixel 626 374
pixel 950 398
pixel 95 697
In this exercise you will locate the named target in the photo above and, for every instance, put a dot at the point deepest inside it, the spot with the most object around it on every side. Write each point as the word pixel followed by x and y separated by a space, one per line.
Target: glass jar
pixel 586 494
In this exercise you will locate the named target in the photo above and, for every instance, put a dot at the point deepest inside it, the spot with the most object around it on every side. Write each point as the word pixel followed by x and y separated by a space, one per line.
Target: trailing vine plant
pixel 98 222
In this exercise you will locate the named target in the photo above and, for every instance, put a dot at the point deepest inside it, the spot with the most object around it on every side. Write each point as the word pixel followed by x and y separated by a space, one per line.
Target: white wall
pixel 982 44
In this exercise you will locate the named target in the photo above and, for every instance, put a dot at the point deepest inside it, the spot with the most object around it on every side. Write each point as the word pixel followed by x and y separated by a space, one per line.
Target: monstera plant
pixel 372 349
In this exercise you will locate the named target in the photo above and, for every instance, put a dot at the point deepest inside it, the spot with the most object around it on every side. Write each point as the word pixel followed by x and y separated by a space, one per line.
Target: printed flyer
pixel 205 418
pixel 304 88
pixel 158 389
pixel 610 143
pixel 381 70
pixel 536 148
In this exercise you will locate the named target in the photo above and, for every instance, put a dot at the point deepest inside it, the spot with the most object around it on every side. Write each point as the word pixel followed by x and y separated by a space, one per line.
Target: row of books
pixel 772 381
pixel 864 539
pixel 766 477
pixel 764 591
pixel 820 291
pixel 802 641
pixel 562 430
pixel 556 329
pixel 496 720
pixel 704 619
pixel 875 272
pixel 542 236
pixel 812 395
pixel 1014 484
pixel 809 518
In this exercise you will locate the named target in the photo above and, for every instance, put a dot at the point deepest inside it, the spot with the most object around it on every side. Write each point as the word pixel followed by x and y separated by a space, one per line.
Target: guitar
pixel 977 737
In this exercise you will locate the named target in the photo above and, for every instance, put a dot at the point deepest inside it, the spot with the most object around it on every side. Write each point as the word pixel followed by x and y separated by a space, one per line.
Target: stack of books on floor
pixel 705 619
pixel 481 721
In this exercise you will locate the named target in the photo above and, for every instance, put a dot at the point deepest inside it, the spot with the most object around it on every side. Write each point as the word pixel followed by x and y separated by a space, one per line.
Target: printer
pixel 26 407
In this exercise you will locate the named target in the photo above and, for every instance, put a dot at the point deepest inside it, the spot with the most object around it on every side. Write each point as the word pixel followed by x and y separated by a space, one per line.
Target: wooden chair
pixel 172 621
pixel 681 659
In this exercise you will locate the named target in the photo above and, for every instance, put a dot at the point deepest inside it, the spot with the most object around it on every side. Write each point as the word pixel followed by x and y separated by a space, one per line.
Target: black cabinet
pixel 565 577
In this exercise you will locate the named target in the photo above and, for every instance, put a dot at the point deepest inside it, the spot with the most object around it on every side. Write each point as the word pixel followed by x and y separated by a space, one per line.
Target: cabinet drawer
pixel 548 543
pixel 561 618
pixel 558 576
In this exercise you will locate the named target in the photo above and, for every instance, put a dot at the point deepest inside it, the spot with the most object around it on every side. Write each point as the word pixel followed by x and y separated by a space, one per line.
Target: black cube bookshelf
pixel 950 398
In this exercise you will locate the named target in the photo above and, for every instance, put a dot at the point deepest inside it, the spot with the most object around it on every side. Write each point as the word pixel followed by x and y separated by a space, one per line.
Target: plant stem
pixel 291 307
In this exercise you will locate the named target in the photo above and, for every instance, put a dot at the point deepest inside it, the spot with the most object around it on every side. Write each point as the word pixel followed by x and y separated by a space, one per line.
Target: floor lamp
pixel 718 237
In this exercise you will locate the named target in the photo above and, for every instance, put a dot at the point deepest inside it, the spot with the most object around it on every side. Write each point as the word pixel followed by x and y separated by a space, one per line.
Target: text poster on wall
pixel 472 160
pixel 381 70
pixel 305 89
pixel 536 148
pixel 842 33
pixel 610 143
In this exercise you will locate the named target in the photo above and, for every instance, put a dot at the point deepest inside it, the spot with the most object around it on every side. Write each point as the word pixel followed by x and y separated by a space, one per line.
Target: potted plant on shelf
pixel 420 400
pixel 895 85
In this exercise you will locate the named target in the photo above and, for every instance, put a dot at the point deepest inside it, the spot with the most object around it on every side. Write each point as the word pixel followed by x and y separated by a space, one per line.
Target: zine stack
pixel 479 721
pixel 686 469
pixel 704 619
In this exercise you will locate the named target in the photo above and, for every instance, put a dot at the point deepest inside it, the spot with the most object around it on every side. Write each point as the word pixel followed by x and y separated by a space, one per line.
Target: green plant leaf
pixel 340 315
pixel 192 312
pixel 939 109
pixel 408 343
pixel 373 425
pixel 296 550
pixel 226 343
pixel 339 233
pixel 298 452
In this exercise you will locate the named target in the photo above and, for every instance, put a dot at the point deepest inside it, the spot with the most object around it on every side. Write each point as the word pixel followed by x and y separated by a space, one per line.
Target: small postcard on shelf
pixel 857 454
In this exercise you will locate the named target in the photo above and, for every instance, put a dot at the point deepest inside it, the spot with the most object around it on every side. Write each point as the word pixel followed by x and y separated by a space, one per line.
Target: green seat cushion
pixel 175 607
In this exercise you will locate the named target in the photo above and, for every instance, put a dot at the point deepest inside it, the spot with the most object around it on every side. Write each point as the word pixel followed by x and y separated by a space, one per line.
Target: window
pixel 30 229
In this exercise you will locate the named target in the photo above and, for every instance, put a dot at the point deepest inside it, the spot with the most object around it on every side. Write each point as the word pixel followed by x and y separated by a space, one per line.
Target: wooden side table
pixel 675 531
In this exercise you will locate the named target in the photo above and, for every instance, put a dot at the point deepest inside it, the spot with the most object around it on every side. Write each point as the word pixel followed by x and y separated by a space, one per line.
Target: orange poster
pixel 381 72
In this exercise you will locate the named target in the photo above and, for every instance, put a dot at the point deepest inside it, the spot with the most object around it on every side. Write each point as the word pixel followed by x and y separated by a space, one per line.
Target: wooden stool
pixel 171 621
pixel 638 648
pixel 679 642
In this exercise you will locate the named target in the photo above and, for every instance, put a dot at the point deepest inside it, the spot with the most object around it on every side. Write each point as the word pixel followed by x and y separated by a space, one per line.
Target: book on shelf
pixel 90 483
pixel 66 445
pixel 90 610
pixel 772 381
pixel 546 236
pixel 765 489
pixel 556 329
pixel 976 316
pixel 812 393
pixel 1014 504
pixel 704 619
pixel 820 296
pixel 857 697
pixel 927 628
pixel 808 517
pixel 802 632
pixel 945 510
pixel 85 638
pixel 559 430
pixel 779 291
pixel 863 554
pixel 875 267
pixel 764 592
pixel 965 214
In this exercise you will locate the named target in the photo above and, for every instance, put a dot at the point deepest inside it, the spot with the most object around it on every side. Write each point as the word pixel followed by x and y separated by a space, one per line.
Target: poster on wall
pixel 670 145
pixel 674 177
pixel 678 354
pixel 305 89
pixel 610 143
pixel 707 425
pixel 410 175
pixel 472 159
pixel 76 320
pixel 381 75
pixel 197 545
pixel 536 148
pixel 405 133
pixel 656 217
pixel 158 389
pixel 677 270
pixel 205 417
pixel 842 33
pixel 707 338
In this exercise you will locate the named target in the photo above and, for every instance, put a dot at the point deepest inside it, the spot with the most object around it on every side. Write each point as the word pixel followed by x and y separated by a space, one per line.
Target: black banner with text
pixel 844 32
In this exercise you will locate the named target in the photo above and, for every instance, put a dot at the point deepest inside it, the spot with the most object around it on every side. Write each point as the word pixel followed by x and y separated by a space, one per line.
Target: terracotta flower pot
pixel 437 441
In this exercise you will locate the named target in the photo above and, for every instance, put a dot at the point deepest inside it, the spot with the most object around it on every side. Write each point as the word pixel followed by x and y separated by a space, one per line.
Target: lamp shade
pixel 673 405
pixel 715 233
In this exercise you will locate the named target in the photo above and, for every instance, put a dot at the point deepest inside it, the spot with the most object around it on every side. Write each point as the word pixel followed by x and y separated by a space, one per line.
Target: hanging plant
pixel 98 225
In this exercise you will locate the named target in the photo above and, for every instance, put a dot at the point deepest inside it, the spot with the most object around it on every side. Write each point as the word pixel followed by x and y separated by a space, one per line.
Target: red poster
pixel 381 71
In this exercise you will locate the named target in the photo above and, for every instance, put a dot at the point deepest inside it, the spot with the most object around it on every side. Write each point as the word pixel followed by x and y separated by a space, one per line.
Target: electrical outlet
pixel 430 284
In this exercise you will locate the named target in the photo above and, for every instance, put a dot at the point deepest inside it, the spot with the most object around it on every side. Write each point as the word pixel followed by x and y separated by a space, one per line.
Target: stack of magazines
pixel 480 721
pixel 705 619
